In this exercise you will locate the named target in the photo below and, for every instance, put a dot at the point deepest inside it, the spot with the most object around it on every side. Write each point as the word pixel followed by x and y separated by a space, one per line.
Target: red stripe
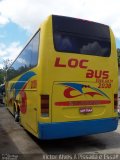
pixel 79 103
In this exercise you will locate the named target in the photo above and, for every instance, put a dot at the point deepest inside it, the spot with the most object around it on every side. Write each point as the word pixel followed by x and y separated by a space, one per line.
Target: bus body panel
pixel 80 101
pixel 23 93
pixel 78 128
pixel 93 71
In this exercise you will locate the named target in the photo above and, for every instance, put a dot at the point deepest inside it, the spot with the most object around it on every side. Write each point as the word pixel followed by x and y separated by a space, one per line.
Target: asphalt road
pixel 15 140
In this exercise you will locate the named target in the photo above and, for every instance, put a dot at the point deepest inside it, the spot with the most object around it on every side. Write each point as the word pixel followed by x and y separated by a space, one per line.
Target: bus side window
pixel 35 48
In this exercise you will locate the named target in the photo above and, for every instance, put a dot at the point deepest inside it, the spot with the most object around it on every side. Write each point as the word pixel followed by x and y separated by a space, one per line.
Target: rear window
pixel 81 37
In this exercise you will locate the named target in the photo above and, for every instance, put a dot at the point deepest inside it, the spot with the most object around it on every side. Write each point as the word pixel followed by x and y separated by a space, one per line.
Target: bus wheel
pixel 16 115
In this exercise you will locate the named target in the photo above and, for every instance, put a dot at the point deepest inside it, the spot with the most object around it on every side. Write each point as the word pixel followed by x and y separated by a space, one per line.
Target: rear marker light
pixel 44 105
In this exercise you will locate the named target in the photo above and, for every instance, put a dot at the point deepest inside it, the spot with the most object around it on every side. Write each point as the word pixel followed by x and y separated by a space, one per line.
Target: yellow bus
pixel 64 83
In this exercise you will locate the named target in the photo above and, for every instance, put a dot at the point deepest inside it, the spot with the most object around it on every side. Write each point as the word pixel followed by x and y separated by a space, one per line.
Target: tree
pixel 6 64
pixel 118 52
pixel 1 76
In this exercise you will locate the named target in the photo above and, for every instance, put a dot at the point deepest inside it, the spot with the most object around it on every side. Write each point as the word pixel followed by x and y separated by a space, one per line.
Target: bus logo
pixel 79 87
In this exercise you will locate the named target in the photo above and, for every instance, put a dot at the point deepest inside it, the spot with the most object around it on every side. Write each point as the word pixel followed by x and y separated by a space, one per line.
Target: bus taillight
pixel 44 105
pixel 115 102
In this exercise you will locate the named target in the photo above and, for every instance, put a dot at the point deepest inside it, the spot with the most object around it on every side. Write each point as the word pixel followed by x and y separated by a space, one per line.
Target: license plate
pixel 86 110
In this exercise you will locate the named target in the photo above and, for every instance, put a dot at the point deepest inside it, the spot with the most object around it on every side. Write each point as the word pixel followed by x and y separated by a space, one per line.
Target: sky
pixel 19 19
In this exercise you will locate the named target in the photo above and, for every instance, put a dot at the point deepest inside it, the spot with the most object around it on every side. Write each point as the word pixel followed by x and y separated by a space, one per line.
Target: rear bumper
pixel 74 129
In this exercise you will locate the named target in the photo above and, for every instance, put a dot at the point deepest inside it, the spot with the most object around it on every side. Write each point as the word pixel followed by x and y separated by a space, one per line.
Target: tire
pixel 16 115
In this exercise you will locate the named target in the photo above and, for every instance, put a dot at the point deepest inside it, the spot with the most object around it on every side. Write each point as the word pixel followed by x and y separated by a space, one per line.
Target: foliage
pixel 118 52
pixel 1 76
pixel 6 64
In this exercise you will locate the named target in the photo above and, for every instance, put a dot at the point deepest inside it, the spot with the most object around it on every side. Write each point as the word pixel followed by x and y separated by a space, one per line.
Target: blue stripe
pixel 73 129
pixel 75 86
pixel 100 92
pixel 21 81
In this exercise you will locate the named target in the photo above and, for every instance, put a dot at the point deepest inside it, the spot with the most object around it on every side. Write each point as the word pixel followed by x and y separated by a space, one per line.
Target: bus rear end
pixel 80 79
